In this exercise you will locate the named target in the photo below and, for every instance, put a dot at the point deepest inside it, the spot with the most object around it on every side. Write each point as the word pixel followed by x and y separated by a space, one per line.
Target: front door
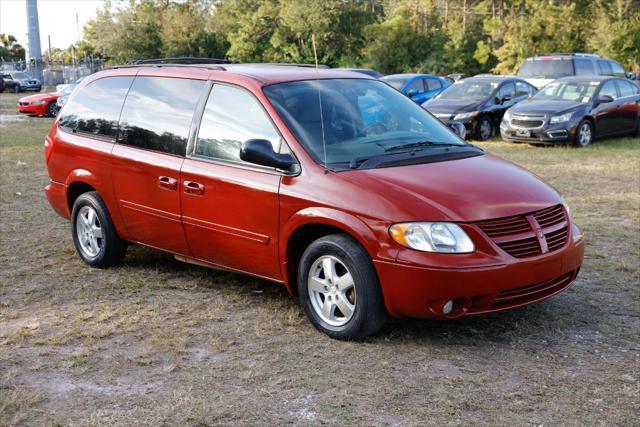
pixel 146 161
pixel 229 207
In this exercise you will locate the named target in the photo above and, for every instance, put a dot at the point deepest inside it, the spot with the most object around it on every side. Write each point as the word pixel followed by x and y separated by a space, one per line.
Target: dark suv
pixel 543 69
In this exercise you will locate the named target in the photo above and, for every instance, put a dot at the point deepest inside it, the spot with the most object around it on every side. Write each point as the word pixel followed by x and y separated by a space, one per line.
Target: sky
pixel 57 18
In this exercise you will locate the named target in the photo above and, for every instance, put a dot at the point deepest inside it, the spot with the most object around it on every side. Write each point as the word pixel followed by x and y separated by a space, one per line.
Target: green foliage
pixel 439 36
pixel 10 49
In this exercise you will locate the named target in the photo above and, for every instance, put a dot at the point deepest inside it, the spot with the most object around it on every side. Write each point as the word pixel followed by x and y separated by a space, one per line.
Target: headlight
pixel 38 102
pixel 465 116
pixel 562 118
pixel 443 237
pixel 507 115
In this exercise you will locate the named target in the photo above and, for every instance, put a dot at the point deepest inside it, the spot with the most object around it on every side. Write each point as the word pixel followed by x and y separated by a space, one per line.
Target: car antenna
pixel 324 143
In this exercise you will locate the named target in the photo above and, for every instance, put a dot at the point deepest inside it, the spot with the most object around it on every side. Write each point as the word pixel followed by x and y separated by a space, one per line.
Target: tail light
pixel 48 147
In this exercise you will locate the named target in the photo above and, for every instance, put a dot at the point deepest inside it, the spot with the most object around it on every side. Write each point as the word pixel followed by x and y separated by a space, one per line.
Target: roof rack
pixel 182 60
pixel 206 66
pixel 589 55
pixel 284 64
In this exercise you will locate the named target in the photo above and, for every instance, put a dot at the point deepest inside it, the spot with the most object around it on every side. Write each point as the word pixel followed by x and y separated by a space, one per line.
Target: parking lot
pixel 159 342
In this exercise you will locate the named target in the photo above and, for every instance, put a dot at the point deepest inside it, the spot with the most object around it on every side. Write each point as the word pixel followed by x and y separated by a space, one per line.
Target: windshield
pixel 358 119
pixel 475 90
pixel 396 82
pixel 567 91
pixel 546 68
pixel 21 76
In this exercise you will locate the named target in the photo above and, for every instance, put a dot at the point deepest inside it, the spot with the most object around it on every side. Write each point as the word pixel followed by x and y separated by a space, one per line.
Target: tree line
pixel 437 36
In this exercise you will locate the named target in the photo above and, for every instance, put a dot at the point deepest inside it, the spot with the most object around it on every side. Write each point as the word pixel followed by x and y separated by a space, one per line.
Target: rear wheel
pixel 485 129
pixel 94 235
pixel 16 88
pixel 584 134
pixel 339 290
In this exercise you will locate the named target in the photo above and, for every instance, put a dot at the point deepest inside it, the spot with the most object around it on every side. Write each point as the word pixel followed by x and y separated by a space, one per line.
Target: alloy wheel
pixel 485 129
pixel 89 232
pixel 332 290
pixel 584 135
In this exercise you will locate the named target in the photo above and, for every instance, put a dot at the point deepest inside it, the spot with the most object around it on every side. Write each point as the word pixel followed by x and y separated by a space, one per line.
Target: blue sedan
pixel 418 87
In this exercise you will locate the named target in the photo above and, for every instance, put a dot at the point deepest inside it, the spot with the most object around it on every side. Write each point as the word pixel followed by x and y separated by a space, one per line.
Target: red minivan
pixel 329 182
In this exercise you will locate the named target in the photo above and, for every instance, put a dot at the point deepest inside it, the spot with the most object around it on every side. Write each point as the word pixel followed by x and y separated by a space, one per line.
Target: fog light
pixel 448 307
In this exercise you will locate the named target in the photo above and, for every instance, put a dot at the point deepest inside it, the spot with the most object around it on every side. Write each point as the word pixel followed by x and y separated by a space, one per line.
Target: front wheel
pixel 339 290
pixel 485 129
pixel 16 89
pixel 94 235
pixel 52 109
pixel 584 134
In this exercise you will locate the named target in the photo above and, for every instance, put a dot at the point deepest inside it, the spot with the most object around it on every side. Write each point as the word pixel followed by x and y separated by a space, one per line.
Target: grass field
pixel 158 342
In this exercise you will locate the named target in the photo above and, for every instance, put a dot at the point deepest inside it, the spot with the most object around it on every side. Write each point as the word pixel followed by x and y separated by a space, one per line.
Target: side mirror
pixel 260 152
pixel 459 129
pixel 604 99
pixel 412 92
pixel 506 98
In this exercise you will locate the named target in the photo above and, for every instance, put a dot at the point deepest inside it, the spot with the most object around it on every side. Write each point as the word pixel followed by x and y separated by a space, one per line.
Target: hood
pixel 539 82
pixel 471 189
pixel 450 106
pixel 531 106
pixel 39 96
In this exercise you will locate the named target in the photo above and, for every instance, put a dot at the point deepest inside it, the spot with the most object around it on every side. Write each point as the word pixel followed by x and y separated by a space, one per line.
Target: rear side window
pixel 96 108
pixel 158 112
pixel 605 68
pixel 231 117
pixel 584 67
pixel 433 84
pixel 617 69
pixel 627 88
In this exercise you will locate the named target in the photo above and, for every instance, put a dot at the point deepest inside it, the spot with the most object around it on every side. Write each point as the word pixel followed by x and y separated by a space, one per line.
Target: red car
pixel 331 183
pixel 40 104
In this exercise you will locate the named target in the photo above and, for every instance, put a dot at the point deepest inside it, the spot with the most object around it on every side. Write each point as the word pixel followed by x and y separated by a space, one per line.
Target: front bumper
pixel 547 134
pixel 422 291
pixel 36 110
pixel 31 86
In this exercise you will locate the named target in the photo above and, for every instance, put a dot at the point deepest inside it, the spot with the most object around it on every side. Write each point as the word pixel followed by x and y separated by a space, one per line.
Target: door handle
pixel 194 188
pixel 167 183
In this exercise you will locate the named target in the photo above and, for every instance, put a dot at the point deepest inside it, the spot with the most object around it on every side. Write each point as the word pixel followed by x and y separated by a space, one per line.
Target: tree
pixel 10 49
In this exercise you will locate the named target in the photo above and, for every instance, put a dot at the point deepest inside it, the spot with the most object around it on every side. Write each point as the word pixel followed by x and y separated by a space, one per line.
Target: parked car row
pixel 19 81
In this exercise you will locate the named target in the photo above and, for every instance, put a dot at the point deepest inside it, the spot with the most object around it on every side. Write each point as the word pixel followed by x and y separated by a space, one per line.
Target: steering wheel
pixel 376 128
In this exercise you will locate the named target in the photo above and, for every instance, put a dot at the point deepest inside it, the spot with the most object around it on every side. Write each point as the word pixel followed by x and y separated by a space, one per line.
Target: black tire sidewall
pixel 368 295
pixel 51 109
pixel 112 247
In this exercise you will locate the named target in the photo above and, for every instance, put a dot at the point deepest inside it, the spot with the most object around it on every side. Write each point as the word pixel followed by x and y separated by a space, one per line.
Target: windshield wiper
pixel 421 144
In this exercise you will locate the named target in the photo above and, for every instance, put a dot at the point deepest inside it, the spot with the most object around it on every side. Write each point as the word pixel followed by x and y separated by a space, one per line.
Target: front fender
pixel 371 234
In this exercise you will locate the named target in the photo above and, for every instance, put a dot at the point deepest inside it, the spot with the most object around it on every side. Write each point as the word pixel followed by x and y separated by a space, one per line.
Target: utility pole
pixel 34 61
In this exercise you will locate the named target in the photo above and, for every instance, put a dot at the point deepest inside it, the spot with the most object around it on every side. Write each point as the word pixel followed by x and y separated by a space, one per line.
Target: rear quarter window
pixel 157 113
pixel 96 108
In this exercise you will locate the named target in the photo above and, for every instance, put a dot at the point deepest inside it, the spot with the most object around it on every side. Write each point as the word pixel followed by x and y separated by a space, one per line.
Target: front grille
pixel 531 234
pixel 526 294
pixel 527 123
pixel 24 104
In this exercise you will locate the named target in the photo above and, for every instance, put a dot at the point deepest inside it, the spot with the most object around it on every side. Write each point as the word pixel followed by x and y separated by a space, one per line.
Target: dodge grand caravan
pixel 329 182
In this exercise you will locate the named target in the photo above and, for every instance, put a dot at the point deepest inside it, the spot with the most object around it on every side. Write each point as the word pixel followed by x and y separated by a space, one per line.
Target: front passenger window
pixel 609 89
pixel 231 117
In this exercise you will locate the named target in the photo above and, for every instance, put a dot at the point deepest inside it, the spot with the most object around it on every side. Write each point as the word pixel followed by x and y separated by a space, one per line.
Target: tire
pixel 323 300
pixel 16 88
pixel 637 131
pixel 584 134
pixel 52 109
pixel 101 251
pixel 485 129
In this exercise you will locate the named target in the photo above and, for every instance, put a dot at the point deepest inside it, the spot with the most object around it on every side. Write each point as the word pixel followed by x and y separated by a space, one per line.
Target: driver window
pixel 416 84
pixel 609 88
pixel 231 117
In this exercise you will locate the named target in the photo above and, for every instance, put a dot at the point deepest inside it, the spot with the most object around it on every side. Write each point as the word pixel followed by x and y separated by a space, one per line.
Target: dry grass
pixel 159 342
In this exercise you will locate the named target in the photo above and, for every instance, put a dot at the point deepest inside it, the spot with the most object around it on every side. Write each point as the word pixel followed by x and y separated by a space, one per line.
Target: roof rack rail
pixel 590 55
pixel 182 60
pixel 284 64
pixel 204 66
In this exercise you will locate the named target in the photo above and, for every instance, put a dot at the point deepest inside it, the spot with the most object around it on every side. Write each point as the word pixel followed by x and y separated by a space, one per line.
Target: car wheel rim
pixel 332 291
pixel 485 129
pixel 585 134
pixel 89 232
pixel 52 109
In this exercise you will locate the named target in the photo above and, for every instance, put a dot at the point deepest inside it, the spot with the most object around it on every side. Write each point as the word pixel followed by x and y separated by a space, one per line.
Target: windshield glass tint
pixel 567 91
pixel 546 69
pixel 360 118
pixel 476 90
pixel 396 82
